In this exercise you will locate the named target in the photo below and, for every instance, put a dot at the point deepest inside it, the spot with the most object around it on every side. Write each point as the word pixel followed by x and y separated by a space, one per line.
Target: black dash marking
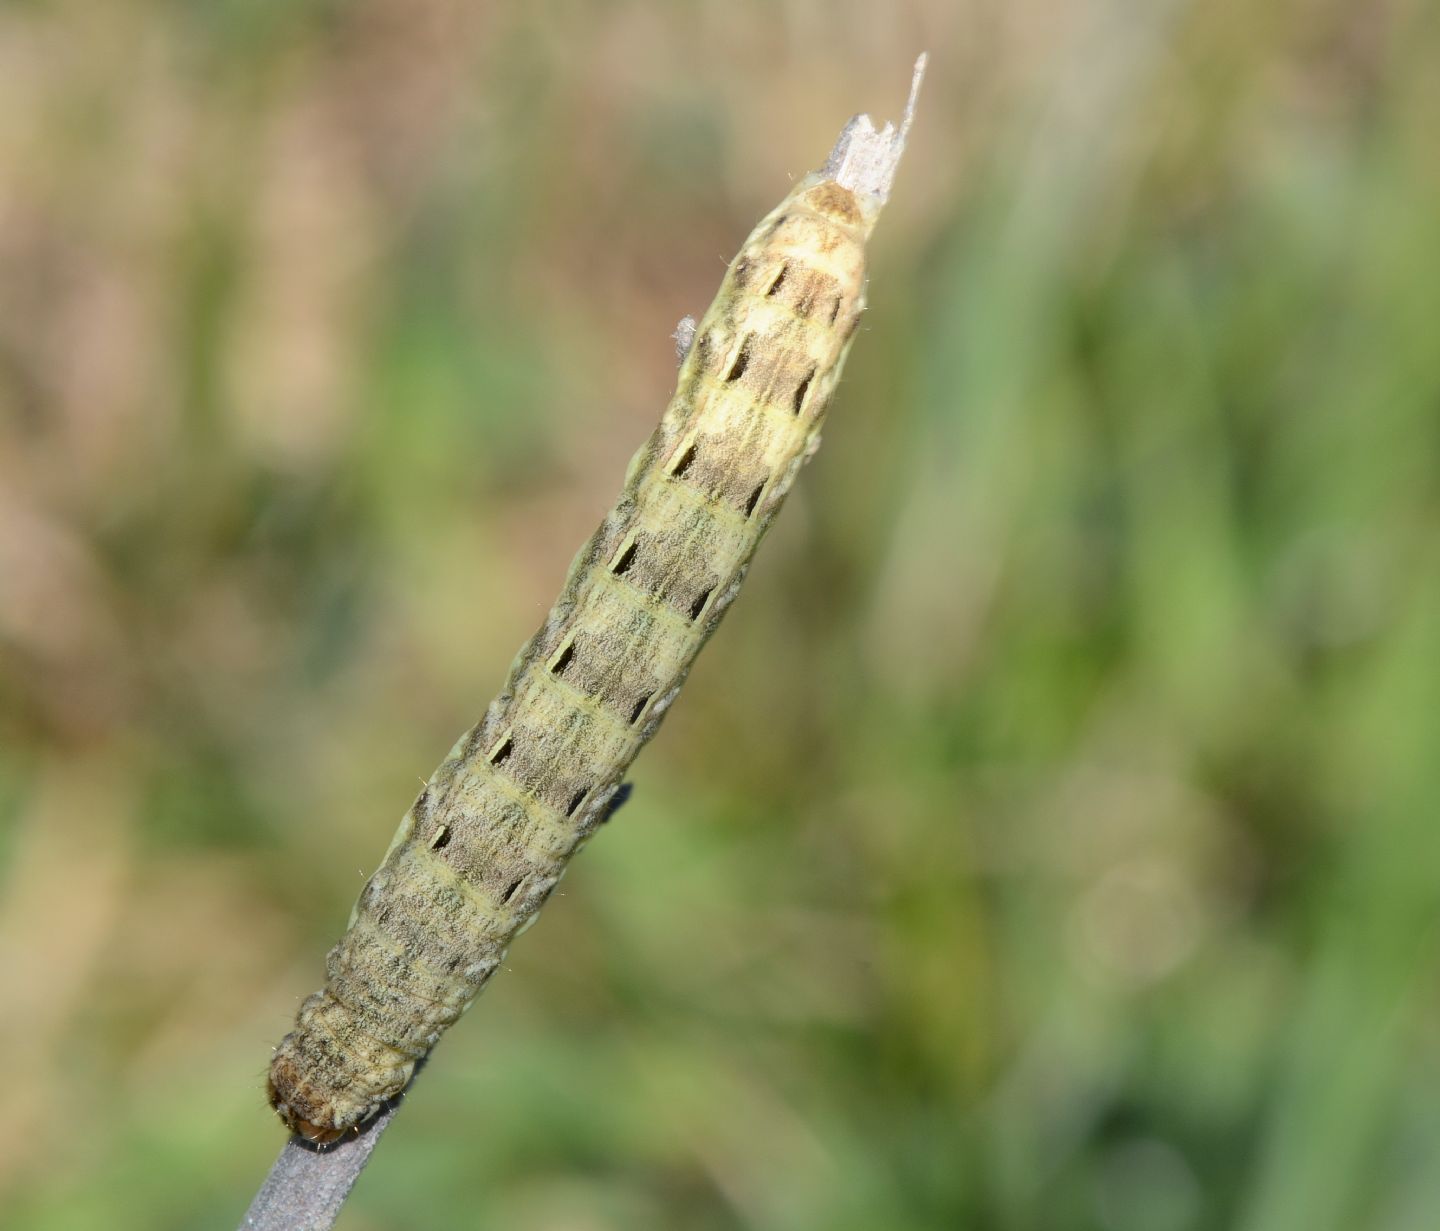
pixel 686 460
pixel 502 753
pixel 802 389
pixel 627 558
pixel 742 361
pixel 510 893
pixel 566 655
pixel 699 604
pixel 754 498
pixel 576 800
pixel 779 280
pixel 640 707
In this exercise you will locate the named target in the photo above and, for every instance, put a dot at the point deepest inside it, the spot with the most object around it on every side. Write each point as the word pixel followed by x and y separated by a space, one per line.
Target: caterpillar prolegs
pixel 490 835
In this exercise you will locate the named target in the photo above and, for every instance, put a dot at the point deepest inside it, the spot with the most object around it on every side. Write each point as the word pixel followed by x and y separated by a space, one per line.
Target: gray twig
pixel 307 1186
pixel 865 159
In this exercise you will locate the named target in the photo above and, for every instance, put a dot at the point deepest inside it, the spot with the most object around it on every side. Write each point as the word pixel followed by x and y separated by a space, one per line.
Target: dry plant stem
pixel 307 1186
pixel 338 1094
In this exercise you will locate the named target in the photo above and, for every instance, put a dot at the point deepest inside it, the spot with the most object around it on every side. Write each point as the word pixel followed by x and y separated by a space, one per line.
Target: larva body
pixel 490 835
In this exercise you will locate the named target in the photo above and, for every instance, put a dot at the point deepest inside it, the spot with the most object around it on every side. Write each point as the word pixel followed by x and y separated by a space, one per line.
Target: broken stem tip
pixel 864 160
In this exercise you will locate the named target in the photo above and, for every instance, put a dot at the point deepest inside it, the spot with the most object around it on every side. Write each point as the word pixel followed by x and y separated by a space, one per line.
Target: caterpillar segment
pixel 489 837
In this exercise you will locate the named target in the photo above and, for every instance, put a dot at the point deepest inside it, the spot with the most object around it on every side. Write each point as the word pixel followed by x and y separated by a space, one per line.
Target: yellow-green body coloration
pixel 490 835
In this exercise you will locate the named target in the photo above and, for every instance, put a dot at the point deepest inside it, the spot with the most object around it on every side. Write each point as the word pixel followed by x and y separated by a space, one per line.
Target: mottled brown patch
pixel 834 201
pixel 298 1103
pixel 805 291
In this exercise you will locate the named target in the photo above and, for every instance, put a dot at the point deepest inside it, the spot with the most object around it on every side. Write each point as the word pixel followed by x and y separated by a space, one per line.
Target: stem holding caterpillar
pixel 489 836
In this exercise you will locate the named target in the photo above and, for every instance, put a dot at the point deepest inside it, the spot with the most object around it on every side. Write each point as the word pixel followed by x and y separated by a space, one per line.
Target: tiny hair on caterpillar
pixel 488 838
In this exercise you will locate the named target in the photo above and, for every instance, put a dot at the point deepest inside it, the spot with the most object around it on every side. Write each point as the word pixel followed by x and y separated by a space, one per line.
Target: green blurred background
pixel 1047 840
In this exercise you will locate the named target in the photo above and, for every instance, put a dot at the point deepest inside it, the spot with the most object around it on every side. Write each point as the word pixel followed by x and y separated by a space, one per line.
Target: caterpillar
pixel 490 835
